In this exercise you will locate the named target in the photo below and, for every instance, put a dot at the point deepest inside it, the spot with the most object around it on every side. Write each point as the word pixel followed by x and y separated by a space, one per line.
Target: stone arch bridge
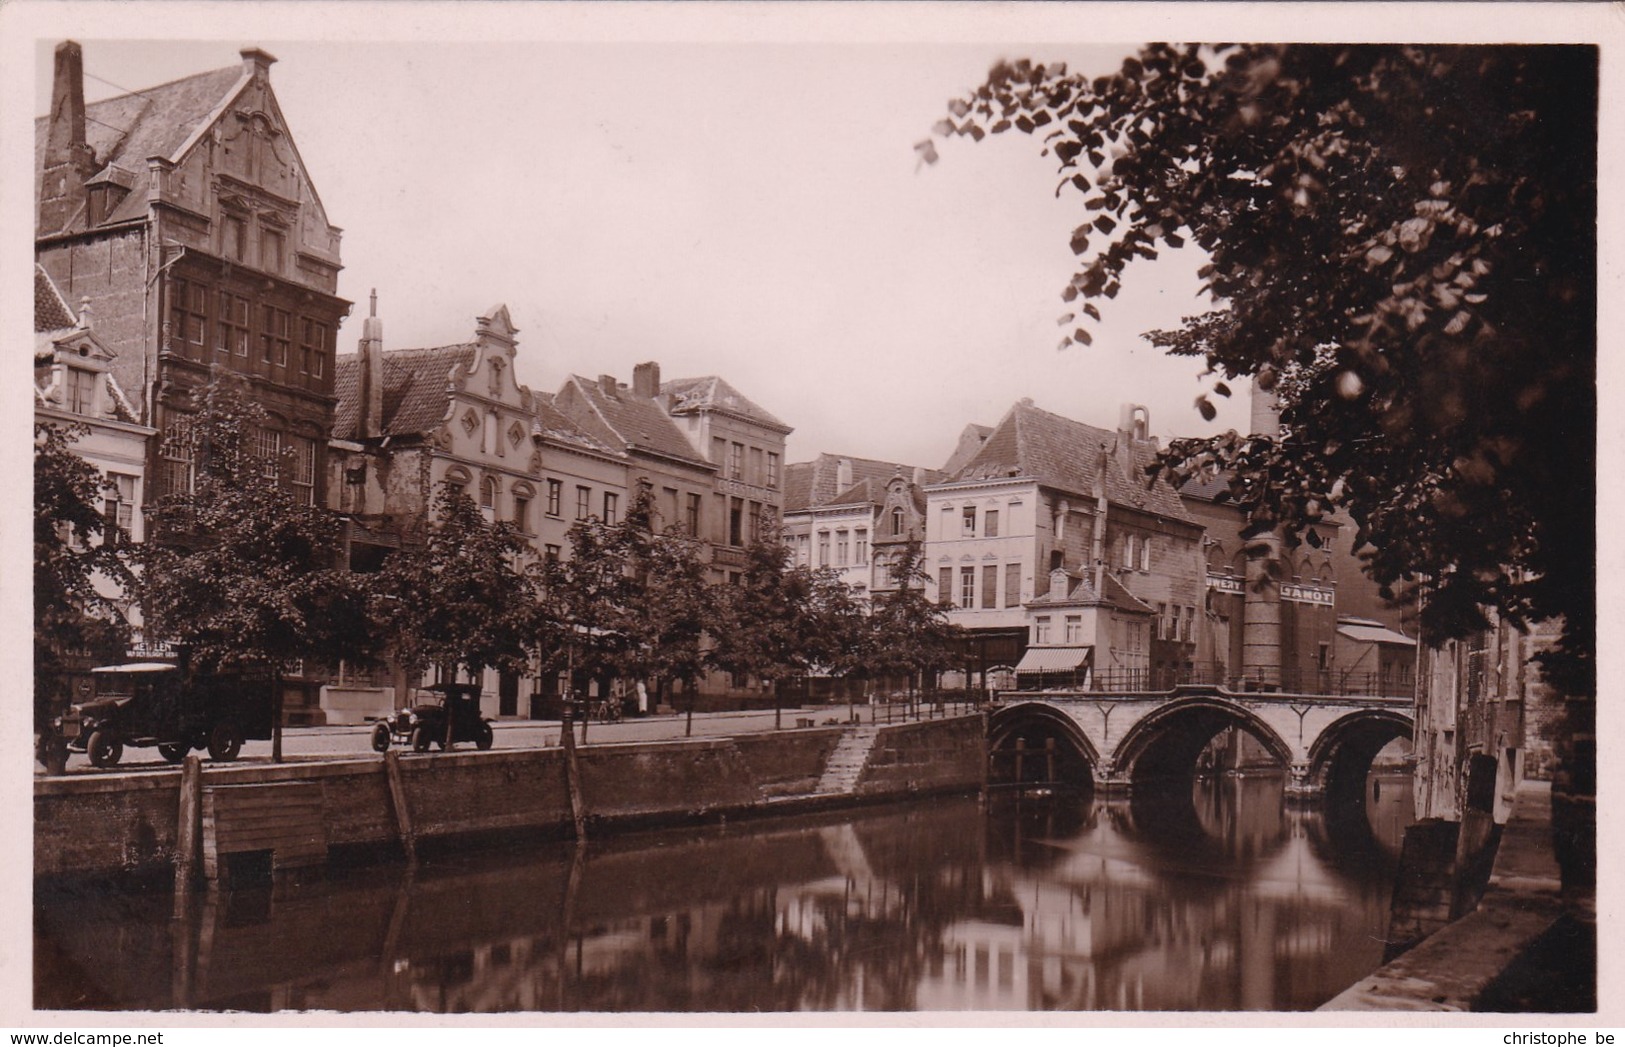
pixel 1119 741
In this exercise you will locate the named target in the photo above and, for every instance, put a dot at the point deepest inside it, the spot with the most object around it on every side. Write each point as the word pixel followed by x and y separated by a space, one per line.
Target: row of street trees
pixel 241 574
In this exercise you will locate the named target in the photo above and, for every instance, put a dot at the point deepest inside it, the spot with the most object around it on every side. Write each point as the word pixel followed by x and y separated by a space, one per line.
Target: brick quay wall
pixel 130 823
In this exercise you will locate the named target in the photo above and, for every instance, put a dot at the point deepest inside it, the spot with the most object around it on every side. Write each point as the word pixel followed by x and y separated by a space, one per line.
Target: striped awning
pixel 1053 659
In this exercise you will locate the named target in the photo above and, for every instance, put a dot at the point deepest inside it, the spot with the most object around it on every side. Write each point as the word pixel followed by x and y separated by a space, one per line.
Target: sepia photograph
pixel 695 510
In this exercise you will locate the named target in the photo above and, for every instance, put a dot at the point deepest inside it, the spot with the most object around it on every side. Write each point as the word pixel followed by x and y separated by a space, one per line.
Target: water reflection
pixel 1218 900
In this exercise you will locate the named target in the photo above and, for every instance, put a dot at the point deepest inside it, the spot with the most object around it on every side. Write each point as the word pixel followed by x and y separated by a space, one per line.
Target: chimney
pixel 843 474
pixel 371 351
pixel 68 161
pixel 256 62
pixel 919 476
pixel 1265 415
pixel 607 384
pixel 646 380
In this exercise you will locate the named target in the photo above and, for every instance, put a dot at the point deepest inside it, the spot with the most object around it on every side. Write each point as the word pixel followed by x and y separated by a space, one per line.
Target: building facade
pixel 185 215
pixel 1047 514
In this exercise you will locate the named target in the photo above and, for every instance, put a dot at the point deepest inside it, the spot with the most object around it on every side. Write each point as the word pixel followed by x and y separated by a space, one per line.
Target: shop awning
pixel 1053 659
pixel 1373 632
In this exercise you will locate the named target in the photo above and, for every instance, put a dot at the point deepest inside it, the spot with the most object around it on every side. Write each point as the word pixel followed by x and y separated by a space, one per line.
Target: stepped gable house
pixel 1049 536
pixel 184 214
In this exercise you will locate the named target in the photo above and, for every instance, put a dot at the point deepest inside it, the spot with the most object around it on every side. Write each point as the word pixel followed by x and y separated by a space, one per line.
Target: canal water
pixel 1222 900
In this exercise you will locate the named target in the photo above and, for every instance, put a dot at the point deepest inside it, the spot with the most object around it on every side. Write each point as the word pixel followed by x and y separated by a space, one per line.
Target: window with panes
pixel 488 495
pixel 521 511
pixel 312 347
pixel 268 449
pixel 736 521
pixel 823 548
pixel 1074 628
pixel 302 472
pixel 1012 584
pixel 896 522
pixel 189 317
pixel 79 392
pixel 693 515
pixel 860 546
pixel 1041 629
pixel 612 504
pixel 118 507
pixel 231 326
pixel 967 521
pixel 175 458
pixel 274 332
pixel 990 585
pixel 555 496
pixel 772 470
pixel 736 461
pixel 990 523
pixel 583 502
pixel 840 549
pixel 967 588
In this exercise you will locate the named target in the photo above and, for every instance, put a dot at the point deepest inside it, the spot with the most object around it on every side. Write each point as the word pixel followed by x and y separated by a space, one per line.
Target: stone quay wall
pixel 106 824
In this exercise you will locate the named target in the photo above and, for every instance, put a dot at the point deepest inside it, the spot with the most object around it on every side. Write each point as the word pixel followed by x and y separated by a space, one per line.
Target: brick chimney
pixel 843 475
pixel 607 384
pixel 68 161
pixel 646 379
pixel 371 352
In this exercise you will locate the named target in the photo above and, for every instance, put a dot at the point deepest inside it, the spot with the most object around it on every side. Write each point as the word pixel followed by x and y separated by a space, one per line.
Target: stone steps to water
pixel 846 763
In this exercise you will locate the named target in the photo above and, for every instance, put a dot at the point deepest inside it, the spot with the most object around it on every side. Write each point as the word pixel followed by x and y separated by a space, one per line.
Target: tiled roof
pixel 798 478
pixel 51 313
pixel 1068 456
pixel 415 389
pixel 810 484
pixel 1205 490
pixel 714 393
pixel 636 421
pixel 129 128
pixel 556 425
pixel 1122 599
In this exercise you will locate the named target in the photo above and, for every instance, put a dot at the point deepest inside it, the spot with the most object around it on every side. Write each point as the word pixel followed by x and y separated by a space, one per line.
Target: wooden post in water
pixel 397 797
pixel 572 779
pixel 188 831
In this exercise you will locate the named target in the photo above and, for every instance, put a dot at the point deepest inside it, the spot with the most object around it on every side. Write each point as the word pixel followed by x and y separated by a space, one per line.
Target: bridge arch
pixel 1164 744
pixel 1034 723
pixel 1342 753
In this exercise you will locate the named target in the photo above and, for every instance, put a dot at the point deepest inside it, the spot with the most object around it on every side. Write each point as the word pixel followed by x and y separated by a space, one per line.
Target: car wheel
pixel 485 737
pixel 380 738
pixel 104 749
pixel 420 740
pixel 174 752
pixel 225 742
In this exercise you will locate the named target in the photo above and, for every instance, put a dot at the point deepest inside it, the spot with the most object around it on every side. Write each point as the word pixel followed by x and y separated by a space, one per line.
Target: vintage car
pixel 450 714
pixel 159 704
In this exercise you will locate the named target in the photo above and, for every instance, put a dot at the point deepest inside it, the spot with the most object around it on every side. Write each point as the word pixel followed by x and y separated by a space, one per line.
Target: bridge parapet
pixel 1129 735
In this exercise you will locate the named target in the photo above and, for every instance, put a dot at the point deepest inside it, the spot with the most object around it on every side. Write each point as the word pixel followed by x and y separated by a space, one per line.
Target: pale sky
pixel 754 210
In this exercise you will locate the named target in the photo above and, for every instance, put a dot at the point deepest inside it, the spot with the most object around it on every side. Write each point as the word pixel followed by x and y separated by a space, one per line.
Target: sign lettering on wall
pixel 1224 583
pixel 1306 594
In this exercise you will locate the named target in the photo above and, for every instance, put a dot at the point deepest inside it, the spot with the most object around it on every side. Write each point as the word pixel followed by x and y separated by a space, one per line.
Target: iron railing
pixel 1328 682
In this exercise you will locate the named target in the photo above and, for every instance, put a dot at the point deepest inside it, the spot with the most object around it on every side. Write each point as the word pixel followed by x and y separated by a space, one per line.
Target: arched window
pixel 456 481
pixel 488 493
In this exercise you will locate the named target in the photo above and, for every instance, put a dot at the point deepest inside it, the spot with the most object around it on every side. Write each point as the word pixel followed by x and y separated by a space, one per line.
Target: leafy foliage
pixel 237 570
pixel 1402 248
pixel 782 620
pixel 74 545
pixel 463 598
pixel 912 634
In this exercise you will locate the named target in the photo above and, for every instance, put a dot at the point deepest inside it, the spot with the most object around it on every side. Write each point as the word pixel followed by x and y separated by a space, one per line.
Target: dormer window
pixel 896 522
